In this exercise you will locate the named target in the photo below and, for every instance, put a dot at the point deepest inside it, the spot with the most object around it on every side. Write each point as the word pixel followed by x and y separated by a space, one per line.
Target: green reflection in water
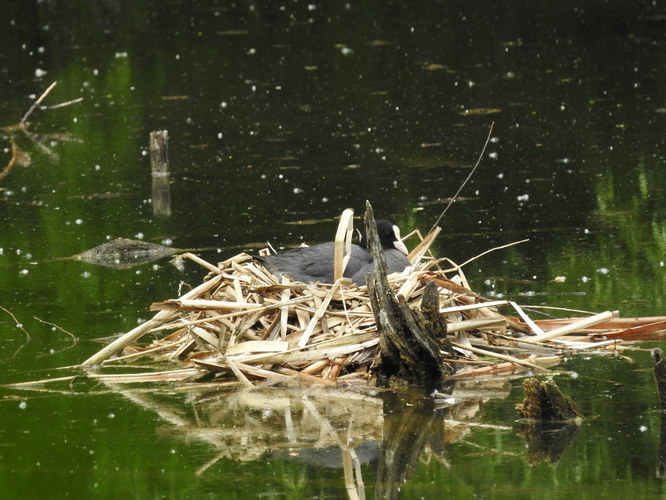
pixel 278 116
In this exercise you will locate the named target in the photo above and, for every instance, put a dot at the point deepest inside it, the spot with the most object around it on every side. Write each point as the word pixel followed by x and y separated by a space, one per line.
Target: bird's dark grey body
pixel 316 263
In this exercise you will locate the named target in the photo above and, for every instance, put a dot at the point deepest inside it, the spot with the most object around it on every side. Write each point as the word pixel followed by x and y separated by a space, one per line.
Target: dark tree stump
pixel 545 401
pixel 430 318
pixel 409 355
pixel 551 421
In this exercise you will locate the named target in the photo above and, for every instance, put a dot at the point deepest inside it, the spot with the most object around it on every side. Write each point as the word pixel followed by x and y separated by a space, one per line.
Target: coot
pixel 310 264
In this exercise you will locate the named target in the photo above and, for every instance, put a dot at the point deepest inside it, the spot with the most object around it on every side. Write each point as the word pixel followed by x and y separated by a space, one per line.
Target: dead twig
pixel 74 337
pixel 63 104
pixel 469 176
pixel 36 104
pixel 485 253
pixel 19 325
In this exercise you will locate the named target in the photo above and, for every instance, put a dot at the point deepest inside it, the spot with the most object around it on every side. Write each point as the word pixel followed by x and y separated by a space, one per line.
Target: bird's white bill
pixel 398 244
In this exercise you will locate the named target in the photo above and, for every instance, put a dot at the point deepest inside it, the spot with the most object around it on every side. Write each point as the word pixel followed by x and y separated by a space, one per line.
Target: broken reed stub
pixel 545 401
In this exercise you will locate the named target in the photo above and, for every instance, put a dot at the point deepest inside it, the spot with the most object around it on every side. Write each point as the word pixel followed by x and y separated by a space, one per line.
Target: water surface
pixel 280 117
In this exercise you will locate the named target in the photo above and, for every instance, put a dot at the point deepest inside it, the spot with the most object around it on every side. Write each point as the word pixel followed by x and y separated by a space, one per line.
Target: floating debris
pixel 123 253
pixel 545 401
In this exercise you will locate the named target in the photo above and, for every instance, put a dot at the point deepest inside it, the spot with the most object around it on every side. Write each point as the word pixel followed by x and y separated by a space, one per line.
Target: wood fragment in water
pixel 545 401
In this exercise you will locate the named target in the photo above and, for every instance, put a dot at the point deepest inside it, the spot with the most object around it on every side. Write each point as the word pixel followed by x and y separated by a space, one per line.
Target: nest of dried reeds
pixel 242 323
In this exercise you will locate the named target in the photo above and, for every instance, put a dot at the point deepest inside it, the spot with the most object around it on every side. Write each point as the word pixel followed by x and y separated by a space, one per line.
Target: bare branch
pixel 455 197
pixel 36 104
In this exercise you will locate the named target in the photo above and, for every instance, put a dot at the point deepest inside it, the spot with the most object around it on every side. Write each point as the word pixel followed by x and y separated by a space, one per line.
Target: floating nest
pixel 245 325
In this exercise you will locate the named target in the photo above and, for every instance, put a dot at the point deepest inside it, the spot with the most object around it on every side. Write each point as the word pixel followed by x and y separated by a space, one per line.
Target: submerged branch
pixel 12 161
pixel 36 104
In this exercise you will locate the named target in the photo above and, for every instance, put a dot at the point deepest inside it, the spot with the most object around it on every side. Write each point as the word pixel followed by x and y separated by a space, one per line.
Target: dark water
pixel 279 117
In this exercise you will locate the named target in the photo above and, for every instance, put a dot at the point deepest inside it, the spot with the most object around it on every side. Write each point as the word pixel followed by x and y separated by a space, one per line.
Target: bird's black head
pixel 389 237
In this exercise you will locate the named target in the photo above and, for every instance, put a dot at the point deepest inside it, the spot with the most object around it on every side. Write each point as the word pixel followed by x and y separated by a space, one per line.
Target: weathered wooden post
pixel 159 164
